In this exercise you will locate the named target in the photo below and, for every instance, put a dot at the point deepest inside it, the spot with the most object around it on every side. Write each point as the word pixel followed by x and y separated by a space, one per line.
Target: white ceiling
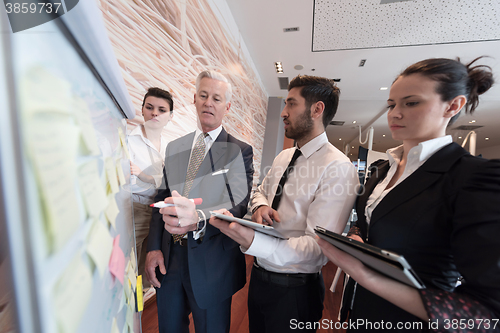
pixel 379 33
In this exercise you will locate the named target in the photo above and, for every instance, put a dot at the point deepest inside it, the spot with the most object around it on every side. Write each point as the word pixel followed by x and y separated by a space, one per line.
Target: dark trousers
pixel 277 303
pixel 175 301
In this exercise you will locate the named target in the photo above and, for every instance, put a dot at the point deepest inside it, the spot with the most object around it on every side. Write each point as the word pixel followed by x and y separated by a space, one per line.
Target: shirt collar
pixel 212 134
pixel 422 151
pixel 314 145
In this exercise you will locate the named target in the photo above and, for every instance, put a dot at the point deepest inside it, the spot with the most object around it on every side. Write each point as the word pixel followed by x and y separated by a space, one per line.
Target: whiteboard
pixel 65 170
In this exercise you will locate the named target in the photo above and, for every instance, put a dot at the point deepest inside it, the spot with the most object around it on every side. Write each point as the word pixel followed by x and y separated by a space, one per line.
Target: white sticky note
pixel 99 246
pixel 92 188
pixel 71 295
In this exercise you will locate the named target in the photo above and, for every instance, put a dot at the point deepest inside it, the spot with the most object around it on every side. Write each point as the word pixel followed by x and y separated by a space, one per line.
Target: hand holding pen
pixel 179 213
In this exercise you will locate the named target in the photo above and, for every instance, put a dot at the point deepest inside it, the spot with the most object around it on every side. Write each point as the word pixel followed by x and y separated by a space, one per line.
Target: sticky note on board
pixel 114 326
pixel 52 142
pixel 132 259
pixel 99 246
pixel 94 195
pixel 82 115
pixel 109 165
pixel 112 210
pixel 130 272
pixel 140 301
pixel 123 142
pixel 117 260
pixel 119 172
pixel 71 295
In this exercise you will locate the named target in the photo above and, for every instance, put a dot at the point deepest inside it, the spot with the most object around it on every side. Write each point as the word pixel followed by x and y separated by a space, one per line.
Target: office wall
pixel 166 43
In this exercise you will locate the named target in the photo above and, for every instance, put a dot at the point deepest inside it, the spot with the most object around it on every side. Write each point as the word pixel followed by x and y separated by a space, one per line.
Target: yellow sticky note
pixel 132 259
pixel 123 142
pixel 82 114
pixel 52 142
pixel 110 167
pixel 140 303
pixel 119 172
pixel 99 246
pixel 37 92
pixel 111 211
pixel 114 326
pixel 92 189
pixel 131 275
pixel 71 295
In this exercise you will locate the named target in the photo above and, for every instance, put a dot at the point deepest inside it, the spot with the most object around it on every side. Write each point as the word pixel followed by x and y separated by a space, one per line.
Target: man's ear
pixel 455 105
pixel 228 106
pixel 194 99
pixel 317 110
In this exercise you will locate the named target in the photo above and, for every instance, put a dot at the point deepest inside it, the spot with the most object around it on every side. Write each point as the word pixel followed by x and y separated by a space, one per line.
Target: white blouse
pixel 417 156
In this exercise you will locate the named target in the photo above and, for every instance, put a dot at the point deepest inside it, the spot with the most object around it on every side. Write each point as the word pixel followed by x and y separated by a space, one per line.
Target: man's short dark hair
pixel 315 89
pixel 160 93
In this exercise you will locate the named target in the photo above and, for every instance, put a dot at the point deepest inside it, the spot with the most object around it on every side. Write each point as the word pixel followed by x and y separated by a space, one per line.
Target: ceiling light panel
pixel 360 24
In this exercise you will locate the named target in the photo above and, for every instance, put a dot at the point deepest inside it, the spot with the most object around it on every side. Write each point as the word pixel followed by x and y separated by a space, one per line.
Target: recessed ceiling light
pixel 340 139
pixel 459 137
pixel 352 147
pixel 279 67
pixel 383 88
pixel 486 138
pixel 298 67
pixel 383 135
pixel 354 121
pixel 472 122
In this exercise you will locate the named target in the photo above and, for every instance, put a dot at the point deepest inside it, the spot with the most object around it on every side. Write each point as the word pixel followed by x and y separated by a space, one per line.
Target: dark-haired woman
pixel 147 155
pixel 435 204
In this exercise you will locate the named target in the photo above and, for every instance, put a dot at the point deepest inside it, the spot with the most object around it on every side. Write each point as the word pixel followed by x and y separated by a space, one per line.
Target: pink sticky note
pixel 117 260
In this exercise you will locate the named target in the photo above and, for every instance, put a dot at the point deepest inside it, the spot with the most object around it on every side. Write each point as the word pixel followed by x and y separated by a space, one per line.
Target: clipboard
pixel 265 229
pixel 388 263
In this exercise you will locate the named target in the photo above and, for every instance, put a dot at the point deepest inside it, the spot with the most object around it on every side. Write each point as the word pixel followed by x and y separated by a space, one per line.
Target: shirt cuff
pixel 262 246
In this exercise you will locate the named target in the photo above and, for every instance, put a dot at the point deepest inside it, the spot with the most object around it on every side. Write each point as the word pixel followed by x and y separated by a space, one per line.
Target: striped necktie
pixel 197 156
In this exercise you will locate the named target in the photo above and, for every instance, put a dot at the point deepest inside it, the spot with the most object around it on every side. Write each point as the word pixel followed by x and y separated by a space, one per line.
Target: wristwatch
pixel 201 220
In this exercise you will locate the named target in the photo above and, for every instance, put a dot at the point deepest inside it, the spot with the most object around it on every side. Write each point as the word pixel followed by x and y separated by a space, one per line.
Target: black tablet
pixel 388 263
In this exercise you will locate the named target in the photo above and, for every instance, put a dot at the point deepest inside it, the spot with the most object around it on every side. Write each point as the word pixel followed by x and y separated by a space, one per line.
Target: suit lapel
pixel 430 172
pixel 181 161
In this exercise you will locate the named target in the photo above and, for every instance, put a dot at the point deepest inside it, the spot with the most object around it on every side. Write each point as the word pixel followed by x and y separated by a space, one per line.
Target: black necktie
pixel 279 189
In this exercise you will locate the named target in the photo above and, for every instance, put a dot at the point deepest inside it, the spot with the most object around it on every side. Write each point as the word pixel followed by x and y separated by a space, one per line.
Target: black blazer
pixel 224 180
pixel 445 219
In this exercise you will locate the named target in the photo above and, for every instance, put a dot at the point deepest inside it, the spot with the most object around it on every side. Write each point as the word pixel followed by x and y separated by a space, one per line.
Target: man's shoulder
pixel 333 154
pixel 241 144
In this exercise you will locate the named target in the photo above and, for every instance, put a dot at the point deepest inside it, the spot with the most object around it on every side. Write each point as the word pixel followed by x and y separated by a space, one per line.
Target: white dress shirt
pixel 417 156
pixel 145 155
pixel 320 191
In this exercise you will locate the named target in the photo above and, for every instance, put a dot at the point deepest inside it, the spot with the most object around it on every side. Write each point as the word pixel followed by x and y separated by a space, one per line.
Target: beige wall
pixel 166 43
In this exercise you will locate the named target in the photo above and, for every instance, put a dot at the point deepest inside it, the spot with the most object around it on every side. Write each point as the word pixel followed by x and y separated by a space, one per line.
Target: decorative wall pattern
pixel 355 24
pixel 167 43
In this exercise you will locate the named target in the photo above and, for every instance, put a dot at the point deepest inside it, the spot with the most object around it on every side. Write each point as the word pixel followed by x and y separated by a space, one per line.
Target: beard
pixel 302 127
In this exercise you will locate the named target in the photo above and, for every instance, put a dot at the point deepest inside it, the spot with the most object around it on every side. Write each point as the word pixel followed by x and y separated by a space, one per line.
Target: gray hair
pixel 216 76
